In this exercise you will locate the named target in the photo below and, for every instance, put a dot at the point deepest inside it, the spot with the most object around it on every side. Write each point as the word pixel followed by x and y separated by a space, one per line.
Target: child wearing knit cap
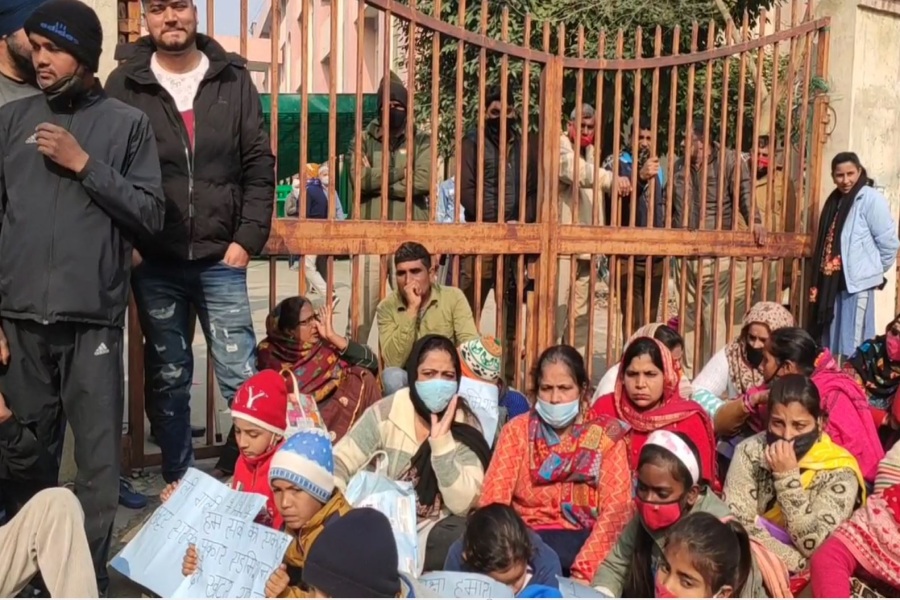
pixel 301 476
pixel 356 557
pixel 260 412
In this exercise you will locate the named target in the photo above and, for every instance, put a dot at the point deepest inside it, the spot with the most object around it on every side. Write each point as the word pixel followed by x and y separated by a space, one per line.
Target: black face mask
pixel 754 355
pixel 492 127
pixel 396 119
pixel 802 443
pixel 66 90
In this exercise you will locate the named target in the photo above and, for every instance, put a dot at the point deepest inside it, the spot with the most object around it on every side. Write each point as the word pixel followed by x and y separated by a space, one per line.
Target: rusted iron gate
pixel 751 82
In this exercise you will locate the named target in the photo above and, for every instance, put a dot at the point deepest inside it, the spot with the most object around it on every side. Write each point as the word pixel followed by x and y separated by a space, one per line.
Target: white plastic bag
pixel 397 501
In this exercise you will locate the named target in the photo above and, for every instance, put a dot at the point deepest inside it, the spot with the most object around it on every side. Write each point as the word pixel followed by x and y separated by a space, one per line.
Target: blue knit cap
pixel 305 461
pixel 13 14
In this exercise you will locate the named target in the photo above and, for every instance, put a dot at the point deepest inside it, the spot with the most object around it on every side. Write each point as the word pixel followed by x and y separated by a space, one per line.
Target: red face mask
pixel 657 516
pixel 586 140
pixel 892 343
pixel 762 162
pixel 662 591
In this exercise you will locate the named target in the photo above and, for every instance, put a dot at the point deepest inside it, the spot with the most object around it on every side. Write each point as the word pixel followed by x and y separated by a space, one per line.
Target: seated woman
pixel 337 372
pixel 669 488
pixel 646 399
pixel 876 366
pixel 849 424
pixel 672 340
pixel 565 474
pixel 430 438
pixel 733 371
pixel 790 485
pixel 866 545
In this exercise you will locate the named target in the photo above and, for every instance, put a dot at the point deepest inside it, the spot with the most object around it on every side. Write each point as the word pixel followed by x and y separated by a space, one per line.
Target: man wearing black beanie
pixel 79 180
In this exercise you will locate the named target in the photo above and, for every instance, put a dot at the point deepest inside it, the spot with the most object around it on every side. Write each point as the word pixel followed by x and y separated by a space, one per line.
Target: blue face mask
pixel 436 394
pixel 558 415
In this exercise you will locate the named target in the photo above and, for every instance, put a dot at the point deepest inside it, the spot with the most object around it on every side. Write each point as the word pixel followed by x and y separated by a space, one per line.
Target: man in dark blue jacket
pixel 79 180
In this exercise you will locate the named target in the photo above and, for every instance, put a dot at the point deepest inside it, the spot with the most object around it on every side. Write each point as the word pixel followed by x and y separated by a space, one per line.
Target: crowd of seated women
pixel 771 473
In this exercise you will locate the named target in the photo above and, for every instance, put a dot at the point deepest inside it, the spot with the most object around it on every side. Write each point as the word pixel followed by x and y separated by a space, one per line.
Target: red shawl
pixel 673 413
pixel 318 367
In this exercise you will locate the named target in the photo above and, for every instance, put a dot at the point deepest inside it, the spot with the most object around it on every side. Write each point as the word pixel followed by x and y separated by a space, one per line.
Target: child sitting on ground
pixel 356 557
pixel 704 558
pixel 260 412
pixel 497 543
pixel 301 476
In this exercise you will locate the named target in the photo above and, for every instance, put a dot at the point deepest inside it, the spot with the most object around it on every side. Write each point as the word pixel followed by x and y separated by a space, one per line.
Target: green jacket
pixel 611 576
pixel 447 313
pixel 371 147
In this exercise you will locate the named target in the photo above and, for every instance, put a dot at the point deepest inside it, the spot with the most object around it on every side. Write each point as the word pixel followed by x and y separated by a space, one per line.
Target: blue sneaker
pixel 130 497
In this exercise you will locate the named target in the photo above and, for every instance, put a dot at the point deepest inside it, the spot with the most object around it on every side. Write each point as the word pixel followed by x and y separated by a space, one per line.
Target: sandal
pixel 130 497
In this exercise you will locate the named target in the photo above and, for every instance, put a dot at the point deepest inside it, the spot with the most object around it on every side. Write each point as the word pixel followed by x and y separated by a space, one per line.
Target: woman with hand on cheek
pixel 790 485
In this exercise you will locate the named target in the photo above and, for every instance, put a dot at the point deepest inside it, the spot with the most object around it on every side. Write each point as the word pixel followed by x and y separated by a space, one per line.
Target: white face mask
pixel 324 180
pixel 295 185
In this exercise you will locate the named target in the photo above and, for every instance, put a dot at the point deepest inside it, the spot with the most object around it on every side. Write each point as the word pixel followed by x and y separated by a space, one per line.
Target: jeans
pixel 393 379
pixel 165 293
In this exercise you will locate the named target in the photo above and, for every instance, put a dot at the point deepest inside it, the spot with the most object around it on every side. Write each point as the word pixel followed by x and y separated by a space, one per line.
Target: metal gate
pixel 748 79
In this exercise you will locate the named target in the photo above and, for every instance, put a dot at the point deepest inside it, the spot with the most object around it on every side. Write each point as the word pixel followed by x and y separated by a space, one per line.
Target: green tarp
pixel 290 126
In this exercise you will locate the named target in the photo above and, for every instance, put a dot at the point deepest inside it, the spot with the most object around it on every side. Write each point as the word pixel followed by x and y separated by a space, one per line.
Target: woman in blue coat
pixel 856 245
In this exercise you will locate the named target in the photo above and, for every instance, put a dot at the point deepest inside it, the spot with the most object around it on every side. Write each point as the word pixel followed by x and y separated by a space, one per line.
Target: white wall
pixel 864 74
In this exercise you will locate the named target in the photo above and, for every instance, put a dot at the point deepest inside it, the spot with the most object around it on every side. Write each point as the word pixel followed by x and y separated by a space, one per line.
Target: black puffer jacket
pixel 223 189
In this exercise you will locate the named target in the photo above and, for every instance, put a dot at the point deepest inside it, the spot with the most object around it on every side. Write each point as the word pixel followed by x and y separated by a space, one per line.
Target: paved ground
pixel 150 482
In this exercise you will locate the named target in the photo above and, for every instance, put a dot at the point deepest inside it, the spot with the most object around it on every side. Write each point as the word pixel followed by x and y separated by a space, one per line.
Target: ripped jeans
pixel 165 293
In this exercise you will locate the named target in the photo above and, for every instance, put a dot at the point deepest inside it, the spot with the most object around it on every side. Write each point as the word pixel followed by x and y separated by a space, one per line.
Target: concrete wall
pixel 864 74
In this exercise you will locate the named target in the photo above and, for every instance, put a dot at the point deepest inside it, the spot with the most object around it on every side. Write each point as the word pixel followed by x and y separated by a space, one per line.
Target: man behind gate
pixel 219 182
pixel 79 180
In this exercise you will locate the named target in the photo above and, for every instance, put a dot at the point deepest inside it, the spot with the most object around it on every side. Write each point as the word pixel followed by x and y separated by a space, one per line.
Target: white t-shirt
pixel 182 87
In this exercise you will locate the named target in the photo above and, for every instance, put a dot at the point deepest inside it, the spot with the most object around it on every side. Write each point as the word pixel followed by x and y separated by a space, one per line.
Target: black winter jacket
pixel 223 189
pixel 66 238
pixel 468 186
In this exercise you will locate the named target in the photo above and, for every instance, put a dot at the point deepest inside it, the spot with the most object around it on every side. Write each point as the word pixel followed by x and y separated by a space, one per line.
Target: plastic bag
pixel 397 501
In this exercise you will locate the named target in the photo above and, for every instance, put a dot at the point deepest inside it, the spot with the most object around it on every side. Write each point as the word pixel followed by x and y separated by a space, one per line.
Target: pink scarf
pixel 849 423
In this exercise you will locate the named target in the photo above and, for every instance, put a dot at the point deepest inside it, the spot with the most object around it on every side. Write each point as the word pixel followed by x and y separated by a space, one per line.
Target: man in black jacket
pixel 219 182
pixel 79 180
pixel 514 154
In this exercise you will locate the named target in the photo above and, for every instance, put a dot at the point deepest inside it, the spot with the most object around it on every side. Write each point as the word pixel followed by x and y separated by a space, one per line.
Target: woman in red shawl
pixel 647 399
pixel 338 373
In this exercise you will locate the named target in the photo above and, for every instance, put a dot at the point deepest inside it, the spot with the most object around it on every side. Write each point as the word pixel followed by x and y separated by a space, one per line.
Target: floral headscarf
pixel 743 375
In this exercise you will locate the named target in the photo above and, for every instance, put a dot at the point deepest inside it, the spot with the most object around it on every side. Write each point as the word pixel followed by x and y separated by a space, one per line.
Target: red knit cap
pixel 263 401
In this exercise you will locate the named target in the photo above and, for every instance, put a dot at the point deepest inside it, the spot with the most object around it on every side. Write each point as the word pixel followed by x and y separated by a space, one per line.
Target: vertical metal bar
pixel 385 91
pixel 688 202
pixel 521 300
pixel 597 214
pixel 670 170
pixel 576 189
pixel 627 303
pixel 479 191
pixel 356 260
pixel 500 311
pixel 435 111
pixel 410 113
pixel 613 323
